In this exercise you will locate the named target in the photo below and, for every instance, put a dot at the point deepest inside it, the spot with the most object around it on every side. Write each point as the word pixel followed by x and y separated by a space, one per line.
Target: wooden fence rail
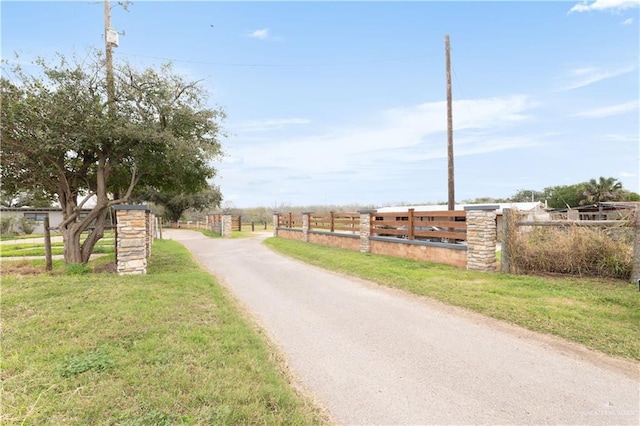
pixel 290 220
pixel 333 221
pixel 420 225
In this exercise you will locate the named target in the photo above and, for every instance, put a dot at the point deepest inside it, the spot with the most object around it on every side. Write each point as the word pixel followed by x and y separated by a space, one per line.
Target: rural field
pixel 84 346
pixel 170 347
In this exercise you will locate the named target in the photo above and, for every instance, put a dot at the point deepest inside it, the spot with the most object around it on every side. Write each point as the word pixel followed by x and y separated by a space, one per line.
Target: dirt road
pixel 373 355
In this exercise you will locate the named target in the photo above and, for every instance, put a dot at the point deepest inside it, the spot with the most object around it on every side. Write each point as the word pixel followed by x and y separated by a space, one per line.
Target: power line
pixel 263 65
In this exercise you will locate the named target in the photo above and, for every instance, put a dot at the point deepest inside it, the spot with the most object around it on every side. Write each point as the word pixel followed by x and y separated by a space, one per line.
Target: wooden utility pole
pixel 108 46
pixel 452 196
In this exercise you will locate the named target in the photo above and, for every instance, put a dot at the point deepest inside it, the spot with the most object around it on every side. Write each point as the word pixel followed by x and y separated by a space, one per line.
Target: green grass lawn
pixel 169 347
pixel 105 245
pixel 602 315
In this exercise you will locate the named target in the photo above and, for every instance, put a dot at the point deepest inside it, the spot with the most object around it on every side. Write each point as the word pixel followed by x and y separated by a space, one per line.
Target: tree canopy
pixel 60 135
pixel 176 203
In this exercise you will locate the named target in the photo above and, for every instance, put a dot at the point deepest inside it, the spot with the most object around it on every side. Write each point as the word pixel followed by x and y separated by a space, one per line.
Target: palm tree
pixel 604 189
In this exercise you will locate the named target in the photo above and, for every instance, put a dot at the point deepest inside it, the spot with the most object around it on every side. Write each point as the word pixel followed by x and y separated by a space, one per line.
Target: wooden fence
pixel 215 222
pixel 425 226
pixel 335 222
pixel 290 220
pixel 439 237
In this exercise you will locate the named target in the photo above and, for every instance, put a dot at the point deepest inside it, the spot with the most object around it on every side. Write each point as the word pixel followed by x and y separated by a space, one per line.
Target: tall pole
pixel 452 197
pixel 108 46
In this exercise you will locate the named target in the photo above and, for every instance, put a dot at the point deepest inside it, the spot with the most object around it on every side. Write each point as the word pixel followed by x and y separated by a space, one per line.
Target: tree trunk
pixel 71 240
pixel 94 237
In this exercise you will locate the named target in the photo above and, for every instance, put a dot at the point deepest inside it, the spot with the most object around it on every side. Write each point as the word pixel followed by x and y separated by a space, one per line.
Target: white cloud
pixel 395 137
pixel 609 111
pixel 600 5
pixel 614 137
pixel 627 174
pixel 586 76
pixel 261 34
pixel 627 21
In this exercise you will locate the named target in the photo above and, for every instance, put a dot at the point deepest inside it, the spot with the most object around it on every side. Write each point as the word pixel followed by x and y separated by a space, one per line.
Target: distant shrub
pixel 7 223
pixel 27 226
pixel 574 250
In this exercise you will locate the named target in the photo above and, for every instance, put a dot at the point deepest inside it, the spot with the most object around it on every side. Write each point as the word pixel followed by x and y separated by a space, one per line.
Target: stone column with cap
pixel 131 223
pixel 481 237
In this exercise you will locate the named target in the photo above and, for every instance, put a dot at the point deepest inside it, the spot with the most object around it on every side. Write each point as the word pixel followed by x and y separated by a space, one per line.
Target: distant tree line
pixel 564 196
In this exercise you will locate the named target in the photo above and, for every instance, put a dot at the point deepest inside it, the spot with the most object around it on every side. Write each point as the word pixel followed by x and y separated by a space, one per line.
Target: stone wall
pixel 289 234
pixel 345 241
pixel 421 252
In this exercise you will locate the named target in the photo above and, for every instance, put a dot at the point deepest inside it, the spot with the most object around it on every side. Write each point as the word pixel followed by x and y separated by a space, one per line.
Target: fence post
pixel 410 228
pixel 506 234
pixel 276 221
pixel 635 272
pixel 305 226
pixel 332 227
pixel 365 230
pixel 47 244
pixel 481 237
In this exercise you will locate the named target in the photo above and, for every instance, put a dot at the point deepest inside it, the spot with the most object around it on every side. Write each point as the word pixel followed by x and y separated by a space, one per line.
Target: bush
pixel 6 225
pixel 573 250
pixel 27 226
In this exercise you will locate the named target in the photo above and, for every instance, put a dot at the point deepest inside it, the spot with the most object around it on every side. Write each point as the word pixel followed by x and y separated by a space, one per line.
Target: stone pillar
pixel 481 238
pixel 131 222
pixel 226 226
pixel 305 226
pixel 365 230
pixel 276 217
pixel 150 222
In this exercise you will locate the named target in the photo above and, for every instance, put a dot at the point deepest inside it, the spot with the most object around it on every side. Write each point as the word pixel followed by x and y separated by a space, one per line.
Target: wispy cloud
pixel 601 5
pixel 609 111
pixel 261 34
pixel 628 21
pixel 614 137
pixel 408 133
pixel 582 77
pixel 268 124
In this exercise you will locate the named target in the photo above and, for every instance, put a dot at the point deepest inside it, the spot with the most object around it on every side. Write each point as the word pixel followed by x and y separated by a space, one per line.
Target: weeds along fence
pixel 465 239
pixel 596 248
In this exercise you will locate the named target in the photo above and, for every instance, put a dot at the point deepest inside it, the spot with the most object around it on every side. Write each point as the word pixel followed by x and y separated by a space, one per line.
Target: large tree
pixel 176 203
pixel 61 134
pixel 603 189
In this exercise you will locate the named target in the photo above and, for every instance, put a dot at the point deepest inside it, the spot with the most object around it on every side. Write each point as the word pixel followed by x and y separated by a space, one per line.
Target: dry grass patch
pixel 572 250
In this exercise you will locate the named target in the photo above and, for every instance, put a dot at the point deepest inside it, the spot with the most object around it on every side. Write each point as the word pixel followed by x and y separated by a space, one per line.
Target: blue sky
pixel 345 102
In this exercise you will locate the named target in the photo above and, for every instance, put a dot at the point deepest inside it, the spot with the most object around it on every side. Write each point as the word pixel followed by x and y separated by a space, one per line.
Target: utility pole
pixel 452 197
pixel 109 43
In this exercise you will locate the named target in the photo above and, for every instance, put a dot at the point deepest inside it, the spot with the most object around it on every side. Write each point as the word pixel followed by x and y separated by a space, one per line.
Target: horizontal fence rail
pixel 333 221
pixel 290 220
pixel 428 226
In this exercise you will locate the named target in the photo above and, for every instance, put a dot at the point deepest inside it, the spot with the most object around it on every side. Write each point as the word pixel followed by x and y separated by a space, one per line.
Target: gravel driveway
pixel 373 355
